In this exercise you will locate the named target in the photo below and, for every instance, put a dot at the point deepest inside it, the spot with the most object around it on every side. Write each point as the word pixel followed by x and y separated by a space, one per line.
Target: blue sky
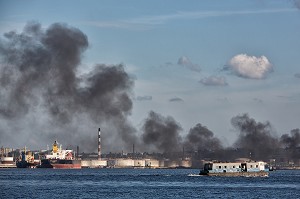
pixel 199 61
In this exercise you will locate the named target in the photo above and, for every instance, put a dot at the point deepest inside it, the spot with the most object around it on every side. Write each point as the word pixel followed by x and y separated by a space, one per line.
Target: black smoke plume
pixel 164 134
pixel 255 138
pixel 161 133
pixel 42 95
pixel 291 144
pixel 200 138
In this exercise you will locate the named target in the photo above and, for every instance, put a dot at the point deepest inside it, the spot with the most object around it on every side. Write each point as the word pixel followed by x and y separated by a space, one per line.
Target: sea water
pixel 143 183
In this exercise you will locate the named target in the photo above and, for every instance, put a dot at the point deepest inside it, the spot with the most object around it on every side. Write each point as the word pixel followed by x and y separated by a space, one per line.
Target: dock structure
pixel 5 166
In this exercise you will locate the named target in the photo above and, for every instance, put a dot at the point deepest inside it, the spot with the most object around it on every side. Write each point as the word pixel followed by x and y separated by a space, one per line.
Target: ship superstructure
pixel 26 159
pixel 58 153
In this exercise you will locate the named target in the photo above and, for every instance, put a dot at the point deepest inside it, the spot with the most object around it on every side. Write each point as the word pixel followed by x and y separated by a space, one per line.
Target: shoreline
pixel 10 166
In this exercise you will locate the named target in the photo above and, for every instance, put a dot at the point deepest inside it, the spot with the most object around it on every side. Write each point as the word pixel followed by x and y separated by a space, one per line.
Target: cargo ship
pixel 235 169
pixel 26 160
pixel 60 159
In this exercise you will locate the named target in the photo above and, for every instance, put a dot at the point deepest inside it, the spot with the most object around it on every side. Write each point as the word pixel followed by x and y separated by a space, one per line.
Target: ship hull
pixel 60 164
pixel 25 164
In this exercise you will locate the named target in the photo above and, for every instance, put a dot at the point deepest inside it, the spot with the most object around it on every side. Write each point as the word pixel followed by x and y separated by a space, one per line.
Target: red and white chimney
pixel 99 144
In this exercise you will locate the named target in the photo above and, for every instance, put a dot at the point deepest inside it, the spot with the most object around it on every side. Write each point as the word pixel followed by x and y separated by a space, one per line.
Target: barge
pixel 235 169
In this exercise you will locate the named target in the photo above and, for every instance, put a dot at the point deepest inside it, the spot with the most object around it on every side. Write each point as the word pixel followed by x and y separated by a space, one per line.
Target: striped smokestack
pixel 99 144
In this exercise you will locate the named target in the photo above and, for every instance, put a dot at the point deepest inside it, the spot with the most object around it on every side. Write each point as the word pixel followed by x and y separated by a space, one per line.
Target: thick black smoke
pixel 39 79
pixel 292 143
pixel 255 137
pixel 161 133
pixel 200 138
pixel 37 63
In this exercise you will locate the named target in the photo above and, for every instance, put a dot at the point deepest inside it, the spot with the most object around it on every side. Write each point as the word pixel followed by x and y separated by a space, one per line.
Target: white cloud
pixel 213 81
pixel 186 62
pixel 162 19
pixel 118 24
pixel 249 66
pixel 144 22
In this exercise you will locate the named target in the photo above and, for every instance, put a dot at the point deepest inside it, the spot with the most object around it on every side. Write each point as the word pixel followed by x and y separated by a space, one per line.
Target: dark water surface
pixel 143 183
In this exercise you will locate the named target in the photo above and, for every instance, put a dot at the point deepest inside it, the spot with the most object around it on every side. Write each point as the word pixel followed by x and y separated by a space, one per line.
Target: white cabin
pixel 222 167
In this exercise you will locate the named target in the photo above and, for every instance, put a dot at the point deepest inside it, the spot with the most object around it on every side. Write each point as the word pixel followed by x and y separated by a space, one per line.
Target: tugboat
pixel 60 159
pixel 245 169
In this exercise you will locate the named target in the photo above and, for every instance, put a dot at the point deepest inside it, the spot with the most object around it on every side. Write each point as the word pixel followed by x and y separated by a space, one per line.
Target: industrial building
pixel 186 159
